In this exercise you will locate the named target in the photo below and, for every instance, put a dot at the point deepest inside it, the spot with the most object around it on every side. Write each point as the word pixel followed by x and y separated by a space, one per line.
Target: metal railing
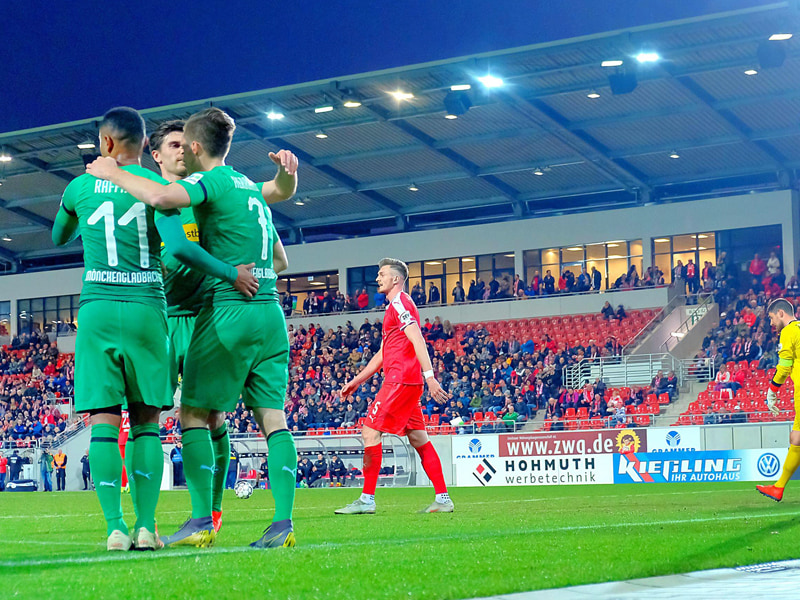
pixel 650 325
pixel 693 316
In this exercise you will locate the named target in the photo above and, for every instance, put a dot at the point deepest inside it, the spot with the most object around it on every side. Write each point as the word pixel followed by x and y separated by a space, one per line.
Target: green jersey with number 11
pixel 121 245
pixel 235 227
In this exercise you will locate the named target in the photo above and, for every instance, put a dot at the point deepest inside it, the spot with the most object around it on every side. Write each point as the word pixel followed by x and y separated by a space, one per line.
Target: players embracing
pixel 396 409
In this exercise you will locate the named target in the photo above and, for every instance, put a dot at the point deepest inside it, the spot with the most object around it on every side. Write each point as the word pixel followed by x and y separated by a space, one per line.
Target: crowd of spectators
pixel 510 378
pixel 503 287
pixel 33 377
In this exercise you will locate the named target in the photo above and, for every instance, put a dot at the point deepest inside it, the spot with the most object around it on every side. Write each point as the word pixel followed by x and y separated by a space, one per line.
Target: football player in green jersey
pixel 239 343
pixel 121 348
pixel 185 288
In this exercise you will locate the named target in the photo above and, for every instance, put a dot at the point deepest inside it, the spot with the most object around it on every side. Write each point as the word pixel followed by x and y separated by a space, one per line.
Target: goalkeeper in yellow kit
pixel 781 316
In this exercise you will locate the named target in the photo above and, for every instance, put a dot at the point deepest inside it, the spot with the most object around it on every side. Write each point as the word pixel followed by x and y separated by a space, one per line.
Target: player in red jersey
pixel 396 409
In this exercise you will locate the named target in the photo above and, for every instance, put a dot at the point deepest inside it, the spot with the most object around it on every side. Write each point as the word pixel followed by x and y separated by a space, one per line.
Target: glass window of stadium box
pixel 363 277
pixel 302 283
pixel 698 247
pixel 612 259
pixel 5 318
pixel 56 314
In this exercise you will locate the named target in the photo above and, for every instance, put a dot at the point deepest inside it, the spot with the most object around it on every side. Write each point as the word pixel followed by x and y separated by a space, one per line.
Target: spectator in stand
pixel 318 470
pixel 598 409
pixel 773 264
pixel 679 277
pixel 757 267
pixel 350 417
pixel 14 465
pixel 692 277
pixel 458 293
pixel 793 287
pixel 434 296
pixel 510 417
pixel 286 304
pixel 3 471
pixel 621 314
pixel 607 311
pixel 549 283
pixel 597 280
pixel 517 287
pixel 338 471
pixel 379 299
pixel 362 299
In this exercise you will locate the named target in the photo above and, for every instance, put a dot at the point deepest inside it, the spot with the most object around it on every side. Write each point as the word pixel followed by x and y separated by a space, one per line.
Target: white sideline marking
pixel 127 556
pixel 325 508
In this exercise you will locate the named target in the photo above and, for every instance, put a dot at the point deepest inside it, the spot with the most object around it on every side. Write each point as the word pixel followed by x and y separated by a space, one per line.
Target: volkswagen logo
pixel 475 445
pixel 769 465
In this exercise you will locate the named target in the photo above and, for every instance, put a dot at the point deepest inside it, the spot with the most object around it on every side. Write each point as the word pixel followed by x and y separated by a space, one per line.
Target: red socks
pixel 433 467
pixel 372 466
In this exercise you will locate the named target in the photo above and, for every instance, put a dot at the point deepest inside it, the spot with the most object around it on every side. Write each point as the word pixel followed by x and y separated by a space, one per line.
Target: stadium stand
pixel 36 383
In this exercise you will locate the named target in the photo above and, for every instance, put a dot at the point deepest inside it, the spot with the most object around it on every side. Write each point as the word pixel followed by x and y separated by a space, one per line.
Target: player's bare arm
pixel 280 262
pixel 373 366
pixel 150 192
pixel 284 185
pixel 414 335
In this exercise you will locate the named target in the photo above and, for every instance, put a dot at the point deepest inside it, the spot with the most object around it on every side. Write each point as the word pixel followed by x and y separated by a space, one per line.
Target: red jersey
pixel 3 464
pixel 400 364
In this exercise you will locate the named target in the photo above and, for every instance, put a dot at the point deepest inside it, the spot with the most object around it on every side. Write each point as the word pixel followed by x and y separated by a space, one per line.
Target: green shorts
pixel 237 349
pixel 180 334
pixel 121 356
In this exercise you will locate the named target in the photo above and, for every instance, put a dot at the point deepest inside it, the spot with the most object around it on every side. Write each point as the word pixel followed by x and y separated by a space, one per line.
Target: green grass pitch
pixel 499 540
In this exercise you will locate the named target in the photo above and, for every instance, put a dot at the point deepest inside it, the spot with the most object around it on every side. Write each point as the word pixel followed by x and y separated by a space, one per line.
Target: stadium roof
pixel 695 124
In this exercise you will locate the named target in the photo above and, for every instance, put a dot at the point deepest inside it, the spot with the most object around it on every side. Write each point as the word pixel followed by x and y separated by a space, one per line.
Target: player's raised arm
pixel 373 366
pixel 284 185
pixel 414 335
pixel 170 227
pixel 146 190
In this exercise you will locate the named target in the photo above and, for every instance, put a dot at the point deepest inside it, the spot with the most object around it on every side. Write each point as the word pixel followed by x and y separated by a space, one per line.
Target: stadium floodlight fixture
pixel 491 81
pixel 350 99
pixel 538 171
pixel 450 117
pixel 6 237
pixel 321 135
pixel 612 63
pixel 413 188
pixel 299 202
pixel 674 154
pixel 593 95
pixel 275 115
pixel 460 87
pixel 323 109
pixel 400 95
pixel 780 37
pixel 751 72
pixel 87 145
pixel 4 158
pixel 648 57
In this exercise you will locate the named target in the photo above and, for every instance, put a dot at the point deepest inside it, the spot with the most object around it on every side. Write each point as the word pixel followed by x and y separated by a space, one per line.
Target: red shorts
pixel 396 409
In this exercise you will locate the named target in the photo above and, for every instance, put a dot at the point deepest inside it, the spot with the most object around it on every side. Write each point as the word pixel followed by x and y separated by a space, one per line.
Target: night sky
pixel 63 61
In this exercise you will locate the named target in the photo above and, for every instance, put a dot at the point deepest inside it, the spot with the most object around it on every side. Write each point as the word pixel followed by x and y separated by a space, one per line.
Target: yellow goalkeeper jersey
pixel 789 356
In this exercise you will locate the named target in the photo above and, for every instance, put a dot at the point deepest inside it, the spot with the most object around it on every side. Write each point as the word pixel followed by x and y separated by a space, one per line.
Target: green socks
pixel 282 463
pixel 221 444
pixel 198 466
pixel 147 468
pixel 106 464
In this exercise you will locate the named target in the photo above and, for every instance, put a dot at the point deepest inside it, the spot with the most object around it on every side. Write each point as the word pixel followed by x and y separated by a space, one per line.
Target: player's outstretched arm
pixel 65 228
pixel 146 190
pixel 414 334
pixel 280 262
pixel 373 366
pixel 194 256
pixel 284 185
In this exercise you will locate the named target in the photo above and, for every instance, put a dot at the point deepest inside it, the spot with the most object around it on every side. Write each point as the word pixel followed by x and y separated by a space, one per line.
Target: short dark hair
pixel 780 304
pixel 126 124
pixel 398 266
pixel 213 128
pixel 162 131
